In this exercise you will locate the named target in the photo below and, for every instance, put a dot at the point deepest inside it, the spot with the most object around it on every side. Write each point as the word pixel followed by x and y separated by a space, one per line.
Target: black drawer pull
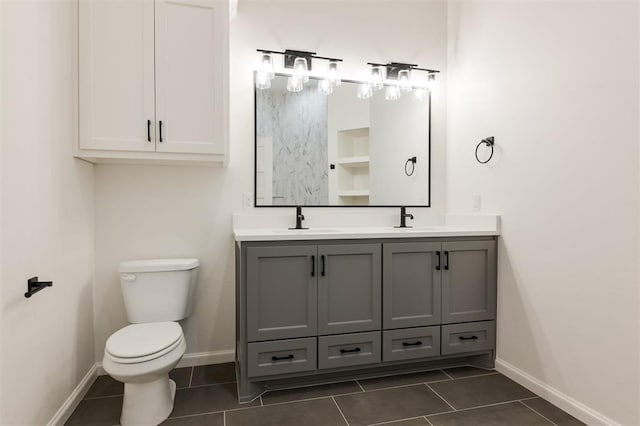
pixel 346 351
pixel 281 358
pixel 446 260
pixel 160 126
pixel 313 266
pixel 322 258
pixel 418 343
pixel 468 337
pixel 438 259
pixel 148 130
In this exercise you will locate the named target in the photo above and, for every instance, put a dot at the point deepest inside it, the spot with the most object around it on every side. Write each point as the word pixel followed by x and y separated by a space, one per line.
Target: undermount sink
pixel 306 231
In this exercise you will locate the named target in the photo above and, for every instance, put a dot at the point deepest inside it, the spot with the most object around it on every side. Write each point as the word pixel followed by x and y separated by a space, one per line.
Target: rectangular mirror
pixel 338 150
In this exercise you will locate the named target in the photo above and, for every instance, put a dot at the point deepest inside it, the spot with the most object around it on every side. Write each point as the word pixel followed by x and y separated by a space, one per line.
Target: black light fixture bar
pixel 394 67
pixel 290 56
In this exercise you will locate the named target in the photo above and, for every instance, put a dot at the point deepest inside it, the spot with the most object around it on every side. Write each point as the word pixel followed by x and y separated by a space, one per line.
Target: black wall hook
pixel 34 286
pixel 490 142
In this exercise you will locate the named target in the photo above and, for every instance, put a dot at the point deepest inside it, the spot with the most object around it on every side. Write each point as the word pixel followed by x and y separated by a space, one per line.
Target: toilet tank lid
pixel 158 265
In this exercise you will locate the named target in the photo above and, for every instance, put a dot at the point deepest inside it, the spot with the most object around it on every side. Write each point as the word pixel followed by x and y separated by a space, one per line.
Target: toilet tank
pixel 157 290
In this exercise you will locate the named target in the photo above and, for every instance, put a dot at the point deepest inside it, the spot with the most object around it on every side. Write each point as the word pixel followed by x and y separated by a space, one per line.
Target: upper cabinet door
pixel 116 68
pixel 411 284
pixel 348 288
pixel 468 281
pixel 191 75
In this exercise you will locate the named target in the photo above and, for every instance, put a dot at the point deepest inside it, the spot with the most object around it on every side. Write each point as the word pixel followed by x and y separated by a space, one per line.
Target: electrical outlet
pixel 477 202
pixel 247 201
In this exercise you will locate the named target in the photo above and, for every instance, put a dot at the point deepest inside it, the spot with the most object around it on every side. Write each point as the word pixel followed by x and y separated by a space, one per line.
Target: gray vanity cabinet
pixel 468 281
pixel 281 292
pixel 411 284
pixel 348 288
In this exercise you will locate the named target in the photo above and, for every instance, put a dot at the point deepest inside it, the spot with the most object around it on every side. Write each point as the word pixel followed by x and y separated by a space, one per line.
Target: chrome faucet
pixel 403 218
pixel 299 218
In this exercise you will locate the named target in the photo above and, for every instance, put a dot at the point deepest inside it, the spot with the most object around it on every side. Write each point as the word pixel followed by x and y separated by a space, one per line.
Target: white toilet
pixel 156 293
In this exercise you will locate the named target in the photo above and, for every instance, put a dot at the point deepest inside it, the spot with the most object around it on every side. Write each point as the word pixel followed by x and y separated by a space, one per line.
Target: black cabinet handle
pixel 438 260
pixel 347 351
pixel 281 358
pixel 313 266
pixel 160 125
pixel 148 130
pixel 418 343
pixel 468 337
pixel 446 260
pixel 322 259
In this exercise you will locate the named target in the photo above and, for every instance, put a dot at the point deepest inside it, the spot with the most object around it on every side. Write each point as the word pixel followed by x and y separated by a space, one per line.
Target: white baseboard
pixel 562 400
pixel 193 359
pixel 70 404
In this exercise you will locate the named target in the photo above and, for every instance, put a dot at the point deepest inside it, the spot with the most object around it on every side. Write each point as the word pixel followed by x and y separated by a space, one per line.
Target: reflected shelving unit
pixel 352 163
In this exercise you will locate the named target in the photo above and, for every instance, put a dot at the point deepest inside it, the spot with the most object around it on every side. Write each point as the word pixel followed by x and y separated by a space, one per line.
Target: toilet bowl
pixel 141 356
pixel 157 293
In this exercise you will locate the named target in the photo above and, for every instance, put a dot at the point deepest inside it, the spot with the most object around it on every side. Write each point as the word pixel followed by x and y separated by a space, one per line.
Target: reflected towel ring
pixel 489 142
pixel 411 161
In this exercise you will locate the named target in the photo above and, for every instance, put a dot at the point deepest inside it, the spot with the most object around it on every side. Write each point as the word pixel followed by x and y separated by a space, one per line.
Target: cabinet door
pixel 348 288
pixel 281 292
pixel 191 75
pixel 411 284
pixel 116 82
pixel 468 281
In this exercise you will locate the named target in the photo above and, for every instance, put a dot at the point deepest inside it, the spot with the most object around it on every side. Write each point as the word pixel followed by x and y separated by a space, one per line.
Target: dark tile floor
pixel 460 396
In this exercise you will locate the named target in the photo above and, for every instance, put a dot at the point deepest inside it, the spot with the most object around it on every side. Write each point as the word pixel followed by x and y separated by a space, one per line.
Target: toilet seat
pixel 143 342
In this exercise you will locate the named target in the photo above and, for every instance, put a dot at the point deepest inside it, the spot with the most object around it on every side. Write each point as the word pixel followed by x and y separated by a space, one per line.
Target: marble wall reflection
pixel 297 125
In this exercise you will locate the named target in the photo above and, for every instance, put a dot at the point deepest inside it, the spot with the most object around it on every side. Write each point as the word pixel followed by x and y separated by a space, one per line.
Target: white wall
pixel 146 211
pixel 557 84
pixel 47 215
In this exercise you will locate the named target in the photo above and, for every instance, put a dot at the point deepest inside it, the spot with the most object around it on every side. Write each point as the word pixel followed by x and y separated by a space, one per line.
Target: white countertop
pixel 283 234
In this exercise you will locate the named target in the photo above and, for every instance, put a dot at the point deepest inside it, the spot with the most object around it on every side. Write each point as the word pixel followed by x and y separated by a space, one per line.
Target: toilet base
pixel 148 403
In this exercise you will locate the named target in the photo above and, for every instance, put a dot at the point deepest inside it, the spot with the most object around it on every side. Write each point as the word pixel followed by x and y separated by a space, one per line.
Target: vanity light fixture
pixel 399 79
pixel 365 91
pixel 299 63
pixel 376 77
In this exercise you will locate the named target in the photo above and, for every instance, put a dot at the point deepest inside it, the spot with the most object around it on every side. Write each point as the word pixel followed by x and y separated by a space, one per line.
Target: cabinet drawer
pixel 410 343
pixel 281 357
pixel 468 337
pixel 348 349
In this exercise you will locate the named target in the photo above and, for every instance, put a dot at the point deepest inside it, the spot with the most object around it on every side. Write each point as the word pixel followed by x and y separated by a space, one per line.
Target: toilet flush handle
pixel 128 277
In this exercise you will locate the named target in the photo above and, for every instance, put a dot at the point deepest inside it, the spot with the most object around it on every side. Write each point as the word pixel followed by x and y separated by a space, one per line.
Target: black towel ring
pixel 489 142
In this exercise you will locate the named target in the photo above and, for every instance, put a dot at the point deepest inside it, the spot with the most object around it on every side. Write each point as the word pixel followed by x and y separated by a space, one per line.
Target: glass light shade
pixel 295 84
pixel 325 86
pixel 431 81
pixel 376 78
pixel 266 64
pixel 420 93
pixel 263 81
pixel 365 91
pixel 392 93
pixel 333 73
pixel 300 69
pixel 404 80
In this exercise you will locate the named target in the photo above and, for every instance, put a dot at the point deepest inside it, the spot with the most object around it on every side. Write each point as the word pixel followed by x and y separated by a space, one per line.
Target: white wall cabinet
pixel 153 80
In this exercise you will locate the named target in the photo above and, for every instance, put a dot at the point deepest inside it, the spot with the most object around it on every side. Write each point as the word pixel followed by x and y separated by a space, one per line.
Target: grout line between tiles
pixel 191 376
pixel 224 418
pixel 439 396
pixel 391 422
pixel 102 397
pixel 261 403
pixel 541 415
pixel 341 413
pixel 447 374
pixel 477 406
pixel 313 398
pixel 360 386
pixel 428 421
pixel 208 384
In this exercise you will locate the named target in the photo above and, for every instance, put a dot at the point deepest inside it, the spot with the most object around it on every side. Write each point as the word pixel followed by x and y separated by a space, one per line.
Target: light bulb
pixel 420 93
pixel 262 80
pixel 300 69
pixel 404 80
pixel 333 73
pixel 392 93
pixel 431 81
pixel 294 84
pixel 266 64
pixel 376 79
pixel 325 87
pixel 365 91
